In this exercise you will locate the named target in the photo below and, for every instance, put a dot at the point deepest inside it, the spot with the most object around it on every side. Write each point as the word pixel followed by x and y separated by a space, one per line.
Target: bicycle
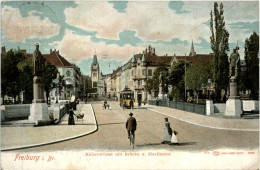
pixel 132 139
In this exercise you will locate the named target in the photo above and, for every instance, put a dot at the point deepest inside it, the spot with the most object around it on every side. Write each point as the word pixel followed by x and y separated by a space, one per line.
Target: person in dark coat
pixel 67 107
pixel 131 125
pixel 71 118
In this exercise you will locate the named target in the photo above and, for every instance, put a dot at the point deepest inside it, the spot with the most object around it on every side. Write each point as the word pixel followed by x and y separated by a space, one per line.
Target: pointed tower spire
pixel 192 51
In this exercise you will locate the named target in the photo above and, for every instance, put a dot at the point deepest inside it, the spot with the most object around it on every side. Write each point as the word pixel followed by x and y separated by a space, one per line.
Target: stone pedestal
pixel 38 108
pixel 160 95
pixel 209 107
pixel 38 90
pixel 56 111
pixel 233 108
pixel 38 111
pixel 149 97
pixel 2 114
pixel 234 104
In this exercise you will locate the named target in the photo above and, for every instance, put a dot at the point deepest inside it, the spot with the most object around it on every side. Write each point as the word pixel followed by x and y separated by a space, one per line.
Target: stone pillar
pixel 38 108
pixel 160 95
pixel 209 107
pixel 234 104
pixel 56 111
pixel 38 90
pixel 2 113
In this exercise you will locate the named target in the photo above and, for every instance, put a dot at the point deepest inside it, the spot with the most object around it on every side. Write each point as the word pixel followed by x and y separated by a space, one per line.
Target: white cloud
pixel 18 28
pixel 154 20
pixel 76 47
pixel 151 20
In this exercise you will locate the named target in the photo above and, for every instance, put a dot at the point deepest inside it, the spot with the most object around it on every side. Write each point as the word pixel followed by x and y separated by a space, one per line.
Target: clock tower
pixel 94 74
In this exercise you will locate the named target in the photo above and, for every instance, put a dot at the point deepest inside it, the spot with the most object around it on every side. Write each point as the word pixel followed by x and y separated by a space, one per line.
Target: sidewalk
pixel 207 121
pixel 15 137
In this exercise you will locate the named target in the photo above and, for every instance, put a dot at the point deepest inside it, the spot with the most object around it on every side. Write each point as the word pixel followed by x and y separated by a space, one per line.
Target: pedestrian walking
pixel 167 132
pixel 71 120
pixel 131 125
pixel 131 104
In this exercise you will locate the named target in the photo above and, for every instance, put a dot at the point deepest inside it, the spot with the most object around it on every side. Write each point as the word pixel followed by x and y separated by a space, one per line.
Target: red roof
pixel 154 60
pixel 54 58
pixel 196 58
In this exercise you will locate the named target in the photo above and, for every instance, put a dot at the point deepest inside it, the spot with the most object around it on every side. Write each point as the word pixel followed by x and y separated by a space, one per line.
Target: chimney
pixel 166 54
pixel 54 50
pixel 50 50
pixel 58 52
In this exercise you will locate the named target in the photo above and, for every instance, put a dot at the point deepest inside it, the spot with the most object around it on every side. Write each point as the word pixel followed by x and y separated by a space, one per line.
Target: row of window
pixel 150 72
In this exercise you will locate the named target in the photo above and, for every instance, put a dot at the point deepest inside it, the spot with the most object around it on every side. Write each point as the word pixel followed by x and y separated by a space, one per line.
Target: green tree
pixel 10 84
pixel 177 79
pixel 197 76
pixel 153 83
pixel 50 74
pixel 252 65
pixel 219 46
pixel 26 79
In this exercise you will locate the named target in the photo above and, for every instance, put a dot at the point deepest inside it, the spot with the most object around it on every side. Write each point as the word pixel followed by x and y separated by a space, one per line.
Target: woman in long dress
pixel 166 137
pixel 71 117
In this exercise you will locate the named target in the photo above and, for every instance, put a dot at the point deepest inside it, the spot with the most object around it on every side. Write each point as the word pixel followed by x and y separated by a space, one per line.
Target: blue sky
pixel 116 30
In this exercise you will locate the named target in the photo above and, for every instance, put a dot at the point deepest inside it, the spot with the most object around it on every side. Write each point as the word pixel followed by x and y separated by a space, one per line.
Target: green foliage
pixel 10 84
pixel 153 84
pixel 26 79
pixel 197 75
pixel 219 46
pixel 252 65
pixel 176 79
pixel 50 73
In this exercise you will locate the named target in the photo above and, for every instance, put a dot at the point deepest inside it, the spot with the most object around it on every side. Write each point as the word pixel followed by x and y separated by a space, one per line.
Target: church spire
pixel 192 51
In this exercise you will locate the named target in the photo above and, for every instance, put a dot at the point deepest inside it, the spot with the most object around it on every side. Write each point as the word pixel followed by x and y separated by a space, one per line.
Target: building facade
pixel 95 75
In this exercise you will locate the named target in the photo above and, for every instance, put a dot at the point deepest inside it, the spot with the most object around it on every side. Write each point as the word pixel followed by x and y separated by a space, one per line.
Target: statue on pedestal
pixel 233 104
pixel 233 63
pixel 38 62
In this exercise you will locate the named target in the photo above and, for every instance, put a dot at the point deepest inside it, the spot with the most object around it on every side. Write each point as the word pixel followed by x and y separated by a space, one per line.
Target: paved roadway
pixel 112 134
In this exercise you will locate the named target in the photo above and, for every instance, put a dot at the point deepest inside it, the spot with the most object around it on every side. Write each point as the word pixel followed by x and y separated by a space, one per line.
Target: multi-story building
pixel 85 86
pixel 95 75
pixel 108 85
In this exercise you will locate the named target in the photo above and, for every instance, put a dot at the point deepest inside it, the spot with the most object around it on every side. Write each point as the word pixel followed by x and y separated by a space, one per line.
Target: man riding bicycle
pixel 131 125
pixel 105 104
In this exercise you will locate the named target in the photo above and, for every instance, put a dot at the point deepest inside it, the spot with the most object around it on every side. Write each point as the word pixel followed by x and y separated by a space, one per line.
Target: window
pixel 144 72
pixel 139 82
pixel 94 84
pixel 132 72
pixel 138 72
pixel 68 73
pixel 150 72
pixel 94 74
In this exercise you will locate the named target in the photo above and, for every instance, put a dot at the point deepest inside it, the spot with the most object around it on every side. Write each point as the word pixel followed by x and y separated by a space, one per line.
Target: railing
pixel 189 107
pixel 62 112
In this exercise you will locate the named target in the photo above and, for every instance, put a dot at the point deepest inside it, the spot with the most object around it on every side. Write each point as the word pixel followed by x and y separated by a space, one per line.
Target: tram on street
pixel 127 98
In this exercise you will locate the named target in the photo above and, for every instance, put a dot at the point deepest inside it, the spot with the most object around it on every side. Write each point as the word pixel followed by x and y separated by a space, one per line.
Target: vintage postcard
pixel 129 85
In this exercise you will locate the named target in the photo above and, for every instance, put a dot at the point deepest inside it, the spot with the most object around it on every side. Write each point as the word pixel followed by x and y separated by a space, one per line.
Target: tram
pixel 127 98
